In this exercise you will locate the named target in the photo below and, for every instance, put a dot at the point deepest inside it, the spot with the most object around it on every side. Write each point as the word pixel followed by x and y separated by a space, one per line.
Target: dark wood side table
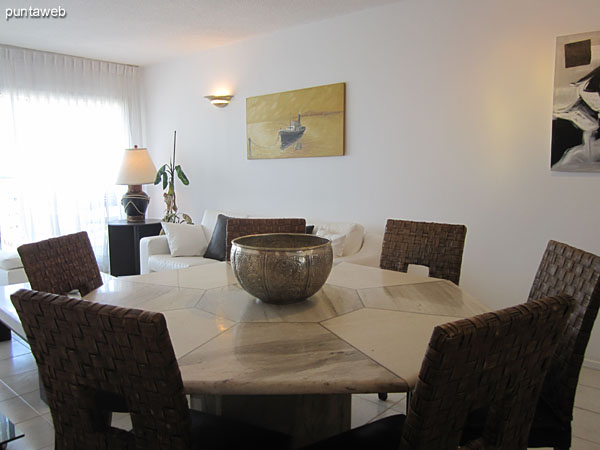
pixel 124 244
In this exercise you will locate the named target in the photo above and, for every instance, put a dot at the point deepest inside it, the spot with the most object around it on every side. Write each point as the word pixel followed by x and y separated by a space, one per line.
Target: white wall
pixel 448 118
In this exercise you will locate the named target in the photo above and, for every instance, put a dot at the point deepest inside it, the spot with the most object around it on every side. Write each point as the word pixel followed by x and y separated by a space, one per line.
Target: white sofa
pixel 11 269
pixel 356 246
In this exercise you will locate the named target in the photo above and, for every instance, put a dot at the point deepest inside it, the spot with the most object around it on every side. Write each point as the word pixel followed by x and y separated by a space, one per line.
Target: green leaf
pixel 159 174
pixel 187 218
pixel 182 176
pixel 165 179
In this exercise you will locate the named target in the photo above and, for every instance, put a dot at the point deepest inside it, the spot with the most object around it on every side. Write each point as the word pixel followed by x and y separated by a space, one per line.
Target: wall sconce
pixel 220 101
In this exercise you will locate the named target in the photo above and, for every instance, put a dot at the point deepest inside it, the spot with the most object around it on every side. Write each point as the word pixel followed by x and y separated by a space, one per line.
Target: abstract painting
pixel 576 108
pixel 297 124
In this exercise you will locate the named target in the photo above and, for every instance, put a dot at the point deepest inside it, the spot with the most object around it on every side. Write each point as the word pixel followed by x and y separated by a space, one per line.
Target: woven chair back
pixel 438 246
pixel 495 361
pixel 85 350
pixel 243 227
pixel 60 265
pixel 568 270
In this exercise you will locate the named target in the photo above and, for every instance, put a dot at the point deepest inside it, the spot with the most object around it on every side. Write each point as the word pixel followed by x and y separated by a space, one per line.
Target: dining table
pixel 291 368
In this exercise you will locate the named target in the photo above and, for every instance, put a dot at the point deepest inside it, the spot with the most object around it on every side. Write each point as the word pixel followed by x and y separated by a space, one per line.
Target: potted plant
pixel 167 174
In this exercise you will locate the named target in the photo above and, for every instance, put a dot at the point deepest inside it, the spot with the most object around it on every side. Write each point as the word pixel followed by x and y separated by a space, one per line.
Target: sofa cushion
pixel 10 260
pixel 185 239
pixel 337 241
pixel 160 263
pixel 354 233
pixel 218 241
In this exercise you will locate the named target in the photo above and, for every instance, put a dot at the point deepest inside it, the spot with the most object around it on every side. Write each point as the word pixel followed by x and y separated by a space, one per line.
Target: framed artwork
pixel 576 106
pixel 297 124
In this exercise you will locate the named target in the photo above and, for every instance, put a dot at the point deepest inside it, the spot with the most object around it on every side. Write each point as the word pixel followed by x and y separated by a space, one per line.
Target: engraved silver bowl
pixel 281 268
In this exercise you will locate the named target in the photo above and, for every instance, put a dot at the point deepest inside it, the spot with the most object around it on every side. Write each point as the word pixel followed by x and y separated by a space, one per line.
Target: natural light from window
pixel 58 163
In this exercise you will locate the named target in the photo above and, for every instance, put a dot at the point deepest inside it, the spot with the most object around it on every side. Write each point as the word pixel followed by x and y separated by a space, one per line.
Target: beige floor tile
pixel 14 347
pixel 364 410
pixel 589 377
pixel 21 340
pixel 400 407
pixel 122 421
pixel 17 410
pixel 586 425
pixel 23 383
pixel 38 434
pixel 393 397
pixel 6 392
pixel 386 413
pixel 17 365
pixel 588 398
pixel 34 400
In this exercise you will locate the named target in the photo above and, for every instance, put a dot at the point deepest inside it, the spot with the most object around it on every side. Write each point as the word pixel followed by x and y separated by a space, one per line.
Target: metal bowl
pixel 281 268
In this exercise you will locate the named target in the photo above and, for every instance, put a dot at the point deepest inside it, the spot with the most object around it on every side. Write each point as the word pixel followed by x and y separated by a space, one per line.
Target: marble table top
pixel 366 330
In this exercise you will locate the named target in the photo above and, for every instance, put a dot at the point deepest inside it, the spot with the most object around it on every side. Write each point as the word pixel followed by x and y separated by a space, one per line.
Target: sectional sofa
pixel 170 251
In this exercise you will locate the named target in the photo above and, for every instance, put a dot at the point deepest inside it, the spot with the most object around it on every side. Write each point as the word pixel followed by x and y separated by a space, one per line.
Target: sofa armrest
pixel 369 254
pixel 152 245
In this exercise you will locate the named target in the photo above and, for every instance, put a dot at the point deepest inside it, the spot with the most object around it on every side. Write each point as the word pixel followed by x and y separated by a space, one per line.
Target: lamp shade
pixel 136 167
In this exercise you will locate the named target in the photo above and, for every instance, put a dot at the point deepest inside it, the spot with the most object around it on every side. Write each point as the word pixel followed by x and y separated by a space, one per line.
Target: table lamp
pixel 136 169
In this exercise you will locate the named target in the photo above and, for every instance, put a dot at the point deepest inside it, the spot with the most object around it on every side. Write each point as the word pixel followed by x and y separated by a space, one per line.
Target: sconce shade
pixel 136 167
pixel 220 101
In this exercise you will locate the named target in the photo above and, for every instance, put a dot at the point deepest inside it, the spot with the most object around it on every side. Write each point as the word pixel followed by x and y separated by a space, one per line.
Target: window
pixel 60 150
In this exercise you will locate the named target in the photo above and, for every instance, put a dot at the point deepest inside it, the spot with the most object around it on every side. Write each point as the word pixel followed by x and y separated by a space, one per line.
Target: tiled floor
pixel 19 400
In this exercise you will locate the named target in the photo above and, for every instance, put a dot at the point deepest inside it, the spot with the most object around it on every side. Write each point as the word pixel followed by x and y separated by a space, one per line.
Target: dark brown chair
pixel 60 265
pixel 438 246
pixel 496 360
pixel 85 350
pixel 243 227
pixel 565 270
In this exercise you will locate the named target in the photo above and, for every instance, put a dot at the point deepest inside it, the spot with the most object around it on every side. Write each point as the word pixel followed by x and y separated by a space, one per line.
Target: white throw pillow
pixel 337 240
pixel 185 239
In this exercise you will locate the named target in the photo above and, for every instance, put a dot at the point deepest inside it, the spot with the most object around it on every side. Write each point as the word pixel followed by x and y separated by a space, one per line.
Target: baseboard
pixel 592 364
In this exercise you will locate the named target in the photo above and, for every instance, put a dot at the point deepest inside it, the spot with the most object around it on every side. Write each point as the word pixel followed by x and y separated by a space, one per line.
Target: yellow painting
pixel 297 124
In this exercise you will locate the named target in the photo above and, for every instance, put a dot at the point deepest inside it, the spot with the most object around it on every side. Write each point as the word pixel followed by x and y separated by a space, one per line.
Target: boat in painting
pixel 292 133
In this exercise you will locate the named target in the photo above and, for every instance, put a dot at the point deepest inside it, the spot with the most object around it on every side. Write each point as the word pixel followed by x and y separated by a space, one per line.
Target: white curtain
pixel 64 123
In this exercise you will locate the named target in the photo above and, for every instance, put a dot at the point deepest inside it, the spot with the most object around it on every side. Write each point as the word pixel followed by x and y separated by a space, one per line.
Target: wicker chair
pixel 60 265
pixel 85 350
pixel 563 270
pixel 438 246
pixel 496 360
pixel 243 227
pixel 568 270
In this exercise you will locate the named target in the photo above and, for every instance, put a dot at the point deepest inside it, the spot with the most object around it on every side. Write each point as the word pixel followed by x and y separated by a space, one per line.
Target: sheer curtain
pixel 64 123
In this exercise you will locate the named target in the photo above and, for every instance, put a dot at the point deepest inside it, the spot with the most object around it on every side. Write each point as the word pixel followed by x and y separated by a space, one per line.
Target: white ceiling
pixel 145 31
